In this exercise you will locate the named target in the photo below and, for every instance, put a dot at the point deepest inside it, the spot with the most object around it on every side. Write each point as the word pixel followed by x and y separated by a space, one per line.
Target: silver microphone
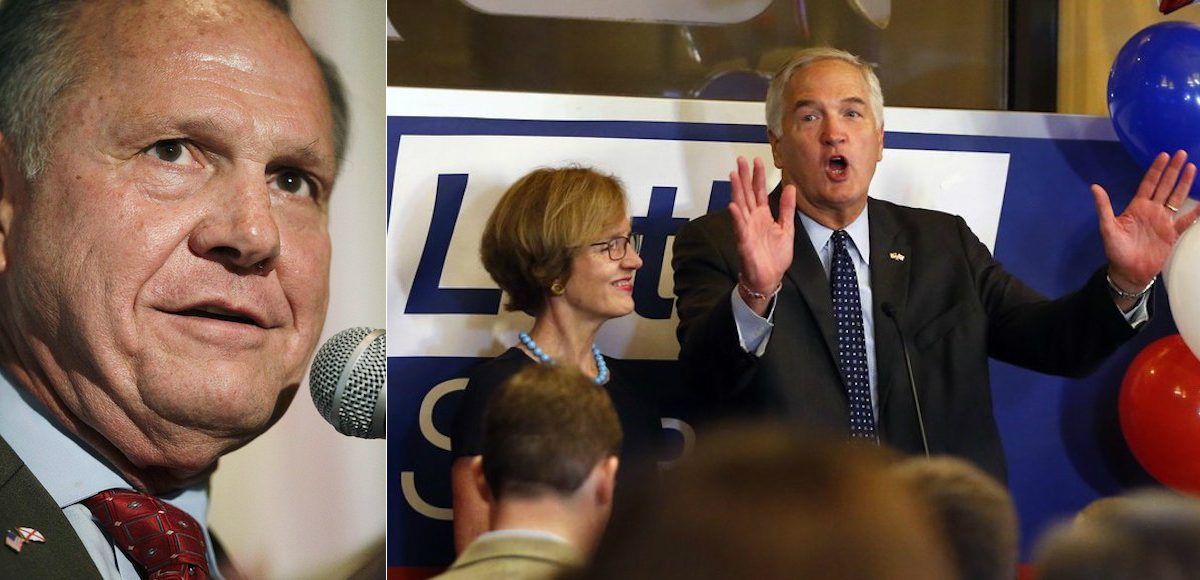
pixel 349 382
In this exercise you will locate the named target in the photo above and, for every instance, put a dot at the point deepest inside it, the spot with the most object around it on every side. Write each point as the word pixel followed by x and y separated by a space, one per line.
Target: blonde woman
pixel 560 246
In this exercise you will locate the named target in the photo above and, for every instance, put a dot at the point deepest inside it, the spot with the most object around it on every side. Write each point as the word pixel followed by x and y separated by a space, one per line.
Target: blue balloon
pixel 1154 91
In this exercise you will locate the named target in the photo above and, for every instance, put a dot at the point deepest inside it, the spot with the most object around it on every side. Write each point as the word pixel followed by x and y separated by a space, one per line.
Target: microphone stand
pixel 890 312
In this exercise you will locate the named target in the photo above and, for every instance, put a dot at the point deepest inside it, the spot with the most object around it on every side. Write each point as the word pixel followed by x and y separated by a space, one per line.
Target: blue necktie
pixel 852 348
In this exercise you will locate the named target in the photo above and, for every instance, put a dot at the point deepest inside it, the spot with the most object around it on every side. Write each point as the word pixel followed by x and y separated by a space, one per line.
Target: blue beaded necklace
pixel 601 376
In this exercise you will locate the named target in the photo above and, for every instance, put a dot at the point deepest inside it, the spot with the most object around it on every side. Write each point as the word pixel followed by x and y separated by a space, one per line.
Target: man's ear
pixel 607 484
pixel 776 156
pixel 481 484
pixel 880 143
pixel 11 179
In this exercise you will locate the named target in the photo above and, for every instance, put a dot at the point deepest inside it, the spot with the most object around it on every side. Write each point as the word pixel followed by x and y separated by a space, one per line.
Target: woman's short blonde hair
pixel 539 224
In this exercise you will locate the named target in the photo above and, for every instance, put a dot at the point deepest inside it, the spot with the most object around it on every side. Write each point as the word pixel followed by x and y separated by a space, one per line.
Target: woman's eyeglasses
pixel 618 247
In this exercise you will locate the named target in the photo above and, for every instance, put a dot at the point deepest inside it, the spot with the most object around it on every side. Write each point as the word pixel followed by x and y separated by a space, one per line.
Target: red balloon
pixel 1160 412
pixel 1169 6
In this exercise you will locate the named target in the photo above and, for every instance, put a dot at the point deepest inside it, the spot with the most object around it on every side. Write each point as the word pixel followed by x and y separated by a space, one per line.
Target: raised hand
pixel 764 243
pixel 1138 241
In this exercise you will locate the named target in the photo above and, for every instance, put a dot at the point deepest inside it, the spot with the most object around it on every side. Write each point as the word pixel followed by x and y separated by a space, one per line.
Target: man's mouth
pixel 836 167
pixel 625 284
pixel 218 313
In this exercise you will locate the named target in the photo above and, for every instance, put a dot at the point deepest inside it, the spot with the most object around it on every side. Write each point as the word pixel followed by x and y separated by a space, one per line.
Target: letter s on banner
pixel 408 479
pixel 425 417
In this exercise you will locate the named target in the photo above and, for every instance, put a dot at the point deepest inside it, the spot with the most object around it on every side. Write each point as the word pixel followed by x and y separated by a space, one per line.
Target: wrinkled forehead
pixel 155 55
pixel 244 35
pixel 145 17
pixel 829 73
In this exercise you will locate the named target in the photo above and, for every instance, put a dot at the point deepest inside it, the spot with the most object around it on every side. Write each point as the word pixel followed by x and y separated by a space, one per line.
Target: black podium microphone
pixel 890 312
pixel 349 382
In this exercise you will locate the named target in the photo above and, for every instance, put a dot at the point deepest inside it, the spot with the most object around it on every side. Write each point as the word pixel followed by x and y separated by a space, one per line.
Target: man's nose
pixel 239 230
pixel 833 132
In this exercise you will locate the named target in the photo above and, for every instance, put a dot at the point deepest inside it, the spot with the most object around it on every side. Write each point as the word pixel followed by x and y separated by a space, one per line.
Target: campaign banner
pixel 1020 180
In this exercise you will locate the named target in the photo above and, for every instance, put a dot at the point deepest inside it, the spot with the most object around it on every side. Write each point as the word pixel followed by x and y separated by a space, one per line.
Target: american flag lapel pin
pixel 12 540
pixel 17 540
pixel 897 256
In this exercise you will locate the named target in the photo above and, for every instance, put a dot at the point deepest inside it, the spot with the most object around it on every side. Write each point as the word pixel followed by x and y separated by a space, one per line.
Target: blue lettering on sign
pixel 656 226
pixel 427 297
pixel 719 196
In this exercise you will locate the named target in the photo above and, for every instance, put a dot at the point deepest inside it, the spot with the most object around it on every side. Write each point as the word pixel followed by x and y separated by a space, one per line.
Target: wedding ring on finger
pixel 1172 208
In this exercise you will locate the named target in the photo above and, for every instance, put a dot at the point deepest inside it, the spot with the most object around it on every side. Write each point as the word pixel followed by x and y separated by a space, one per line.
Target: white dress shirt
pixel 72 472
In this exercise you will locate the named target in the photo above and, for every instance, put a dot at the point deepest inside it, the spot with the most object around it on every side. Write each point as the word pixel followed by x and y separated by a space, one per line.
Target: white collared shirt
pixel 71 472
pixel 524 533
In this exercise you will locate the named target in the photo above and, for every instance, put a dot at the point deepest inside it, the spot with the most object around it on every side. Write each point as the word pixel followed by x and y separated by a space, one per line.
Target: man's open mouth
pixel 836 166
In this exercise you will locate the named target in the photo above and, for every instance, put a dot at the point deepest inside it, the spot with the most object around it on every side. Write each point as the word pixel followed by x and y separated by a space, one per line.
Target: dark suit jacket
pixel 24 502
pixel 956 305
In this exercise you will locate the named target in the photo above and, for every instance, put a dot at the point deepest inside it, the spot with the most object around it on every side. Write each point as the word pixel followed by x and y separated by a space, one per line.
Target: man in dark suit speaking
pixel 803 320
pixel 165 171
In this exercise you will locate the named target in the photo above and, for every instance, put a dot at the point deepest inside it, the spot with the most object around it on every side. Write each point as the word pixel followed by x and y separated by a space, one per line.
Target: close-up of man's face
pixel 831 139
pixel 168 270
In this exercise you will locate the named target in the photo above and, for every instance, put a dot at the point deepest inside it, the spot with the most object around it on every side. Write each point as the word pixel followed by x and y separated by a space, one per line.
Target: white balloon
pixel 1182 278
pixel 1187 206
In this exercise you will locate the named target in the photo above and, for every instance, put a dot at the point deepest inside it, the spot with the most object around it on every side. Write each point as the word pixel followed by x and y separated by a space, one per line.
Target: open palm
pixel 1138 241
pixel 764 242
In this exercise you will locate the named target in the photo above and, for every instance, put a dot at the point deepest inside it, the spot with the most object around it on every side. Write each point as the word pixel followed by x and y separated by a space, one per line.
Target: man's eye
pixel 853 114
pixel 295 183
pixel 808 118
pixel 171 150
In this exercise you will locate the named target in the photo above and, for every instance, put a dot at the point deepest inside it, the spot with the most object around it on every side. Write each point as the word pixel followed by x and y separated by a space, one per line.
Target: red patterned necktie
pixel 161 538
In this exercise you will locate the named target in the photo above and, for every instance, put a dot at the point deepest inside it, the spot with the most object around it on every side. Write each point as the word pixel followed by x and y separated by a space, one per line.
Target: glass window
pixel 933 53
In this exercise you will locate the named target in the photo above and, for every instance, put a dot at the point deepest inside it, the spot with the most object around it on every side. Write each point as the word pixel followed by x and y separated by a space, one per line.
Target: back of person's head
pixel 1146 534
pixel 545 431
pixel 762 502
pixel 1099 508
pixel 974 511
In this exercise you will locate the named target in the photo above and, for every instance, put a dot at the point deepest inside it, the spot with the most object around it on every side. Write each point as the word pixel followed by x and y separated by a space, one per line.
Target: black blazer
pixel 956 305
pixel 24 502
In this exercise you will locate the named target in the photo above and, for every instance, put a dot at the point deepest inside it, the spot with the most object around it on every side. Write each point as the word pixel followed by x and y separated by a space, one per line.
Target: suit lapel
pixel 24 502
pixel 889 284
pixel 808 276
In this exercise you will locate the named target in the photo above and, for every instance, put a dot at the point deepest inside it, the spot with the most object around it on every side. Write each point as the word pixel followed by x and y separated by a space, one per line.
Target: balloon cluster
pixel 1154 101
pixel 1160 397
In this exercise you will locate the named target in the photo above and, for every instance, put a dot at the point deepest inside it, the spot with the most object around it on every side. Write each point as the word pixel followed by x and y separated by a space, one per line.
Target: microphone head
pixel 349 382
